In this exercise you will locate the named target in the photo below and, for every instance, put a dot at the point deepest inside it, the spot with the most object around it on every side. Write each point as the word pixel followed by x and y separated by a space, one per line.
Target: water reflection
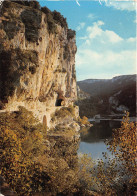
pixel 93 141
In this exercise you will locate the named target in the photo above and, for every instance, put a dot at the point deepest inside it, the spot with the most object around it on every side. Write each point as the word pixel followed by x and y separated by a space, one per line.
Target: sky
pixel 105 36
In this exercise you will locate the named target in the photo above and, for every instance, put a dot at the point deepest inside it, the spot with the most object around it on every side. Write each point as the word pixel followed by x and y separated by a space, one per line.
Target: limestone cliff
pixel 37 59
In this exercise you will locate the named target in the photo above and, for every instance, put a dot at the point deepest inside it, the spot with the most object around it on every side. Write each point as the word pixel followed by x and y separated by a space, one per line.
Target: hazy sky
pixel 105 36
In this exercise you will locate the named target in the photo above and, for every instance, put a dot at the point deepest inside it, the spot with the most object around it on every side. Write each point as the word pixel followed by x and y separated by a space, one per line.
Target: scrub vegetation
pixel 54 18
pixel 25 167
pixel 21 144
pixel 115 175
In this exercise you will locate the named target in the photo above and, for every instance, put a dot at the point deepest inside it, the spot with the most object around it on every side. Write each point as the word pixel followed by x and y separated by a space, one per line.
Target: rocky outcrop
pixel 81 94
pixel 37 59
pixel 114 104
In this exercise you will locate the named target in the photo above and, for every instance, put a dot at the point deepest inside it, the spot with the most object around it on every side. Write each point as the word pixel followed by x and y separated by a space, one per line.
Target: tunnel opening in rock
pixel 60 99
pixel 58 102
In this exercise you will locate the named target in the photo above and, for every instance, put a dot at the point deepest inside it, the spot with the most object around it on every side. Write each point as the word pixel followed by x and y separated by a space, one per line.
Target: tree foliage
pixel 27 170
pixel 115 174
pixel 32 161
pixel 21 138
pixel 123 148
pixel 83 121
pixel 123 144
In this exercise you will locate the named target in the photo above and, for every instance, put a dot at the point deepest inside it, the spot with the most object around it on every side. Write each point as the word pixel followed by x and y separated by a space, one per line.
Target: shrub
pixel 11 28
pixel 54 18
pixel 86 169
pixel 32 21
pixel 59 19
pixel 51 23
pixel 83 121
pixel 21 143
pixel 25 126
pixel 10 72
pixel 71 109
pixel 64 112
pixel 24 163
pixel 46 10
pixel 34 4
pixel 116 175
pixel 123 147
pixel 70 34
pixel 66 53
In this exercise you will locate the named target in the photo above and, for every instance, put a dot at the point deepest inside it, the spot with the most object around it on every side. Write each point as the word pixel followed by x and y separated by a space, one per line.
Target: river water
pixel 92 142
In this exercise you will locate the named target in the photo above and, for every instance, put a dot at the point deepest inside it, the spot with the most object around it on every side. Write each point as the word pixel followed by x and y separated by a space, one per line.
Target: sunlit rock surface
pixel 36 64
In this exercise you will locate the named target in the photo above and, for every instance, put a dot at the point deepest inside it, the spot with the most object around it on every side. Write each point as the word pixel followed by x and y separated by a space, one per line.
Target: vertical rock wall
pixel 37 58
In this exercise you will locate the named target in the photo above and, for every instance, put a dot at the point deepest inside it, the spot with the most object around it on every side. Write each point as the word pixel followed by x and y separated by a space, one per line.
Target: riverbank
pixel 98 118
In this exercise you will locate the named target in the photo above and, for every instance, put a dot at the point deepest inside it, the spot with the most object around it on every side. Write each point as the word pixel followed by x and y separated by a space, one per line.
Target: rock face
pixel 81 94
pixel 37 59
pixel 37 71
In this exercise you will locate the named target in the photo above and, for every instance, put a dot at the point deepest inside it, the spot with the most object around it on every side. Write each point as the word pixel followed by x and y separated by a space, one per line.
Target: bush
pixel 32 21
pixel 64 112
pixel 83 121
pixel 71 109
pixel 86 169
pixel 34 4
pixel 54 18
pixel 21 143
pixel 70 34
pixel 11 28
pixel 46 10
pixel 10 72
pixel 51 26
pixel 123 147
pixel 59 19
pixel 66 53
pixel 51 23
pixel 116 175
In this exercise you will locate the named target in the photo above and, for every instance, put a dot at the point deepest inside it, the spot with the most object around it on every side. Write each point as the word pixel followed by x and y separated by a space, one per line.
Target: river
pixel 93 141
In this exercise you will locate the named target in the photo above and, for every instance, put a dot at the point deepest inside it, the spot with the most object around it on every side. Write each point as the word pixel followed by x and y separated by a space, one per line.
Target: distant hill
pixel 108 96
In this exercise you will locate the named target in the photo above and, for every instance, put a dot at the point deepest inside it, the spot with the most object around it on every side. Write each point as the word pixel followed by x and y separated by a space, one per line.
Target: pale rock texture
pixel 35 64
